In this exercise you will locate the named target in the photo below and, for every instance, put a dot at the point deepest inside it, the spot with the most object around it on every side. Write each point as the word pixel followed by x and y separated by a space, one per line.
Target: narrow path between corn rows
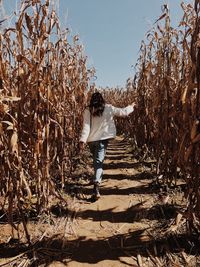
pixel 107 229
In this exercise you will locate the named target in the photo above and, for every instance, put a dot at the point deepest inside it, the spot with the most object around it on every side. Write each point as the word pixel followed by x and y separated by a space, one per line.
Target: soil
pixel 134 223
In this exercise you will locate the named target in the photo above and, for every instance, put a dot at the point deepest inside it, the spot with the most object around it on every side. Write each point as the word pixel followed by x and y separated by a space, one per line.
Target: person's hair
pixel 97 104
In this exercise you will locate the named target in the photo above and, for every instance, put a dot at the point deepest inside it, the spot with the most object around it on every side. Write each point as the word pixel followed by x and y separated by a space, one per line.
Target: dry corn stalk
pixel 167 85
pixel 166 88
pixel 43 80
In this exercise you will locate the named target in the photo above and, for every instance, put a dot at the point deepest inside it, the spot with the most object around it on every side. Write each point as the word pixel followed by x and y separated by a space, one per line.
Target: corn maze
pixel 43 79
pixel 44 83
pixel 166 123
pixel 167 88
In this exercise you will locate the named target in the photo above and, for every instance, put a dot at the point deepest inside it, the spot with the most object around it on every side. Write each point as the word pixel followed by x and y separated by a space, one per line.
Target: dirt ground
pixel 132 224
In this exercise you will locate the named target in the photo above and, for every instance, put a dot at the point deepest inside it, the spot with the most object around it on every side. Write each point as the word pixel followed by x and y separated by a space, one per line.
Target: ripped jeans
pixel 98 150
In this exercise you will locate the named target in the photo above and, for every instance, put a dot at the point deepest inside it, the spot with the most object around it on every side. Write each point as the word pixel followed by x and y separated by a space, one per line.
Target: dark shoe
pixel 93 198
pixel 96 189
pixel 96 195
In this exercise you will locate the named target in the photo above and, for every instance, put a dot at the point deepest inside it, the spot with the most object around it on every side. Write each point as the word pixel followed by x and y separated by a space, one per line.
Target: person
pixel 98 128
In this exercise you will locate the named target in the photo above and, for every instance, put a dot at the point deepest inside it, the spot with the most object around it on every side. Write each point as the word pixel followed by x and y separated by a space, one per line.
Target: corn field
pixel 43 80
pixel 166 123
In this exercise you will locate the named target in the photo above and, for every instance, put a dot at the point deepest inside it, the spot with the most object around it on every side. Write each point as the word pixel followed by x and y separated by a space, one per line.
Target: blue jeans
pixel 98 150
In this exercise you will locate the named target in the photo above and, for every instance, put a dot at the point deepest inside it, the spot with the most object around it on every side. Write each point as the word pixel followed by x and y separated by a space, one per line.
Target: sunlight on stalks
pixel 167 87
pixel 43 80
pixel 166 121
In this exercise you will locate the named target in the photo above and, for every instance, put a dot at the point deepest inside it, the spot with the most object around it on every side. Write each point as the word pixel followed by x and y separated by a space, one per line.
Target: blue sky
pixel 111 31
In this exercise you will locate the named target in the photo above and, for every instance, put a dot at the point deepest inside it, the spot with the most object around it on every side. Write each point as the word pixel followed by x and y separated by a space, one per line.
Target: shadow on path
pixel 114 244
pixel 84 250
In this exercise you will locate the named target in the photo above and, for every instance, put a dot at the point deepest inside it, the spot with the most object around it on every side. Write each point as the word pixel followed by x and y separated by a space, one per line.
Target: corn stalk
pixel 43 80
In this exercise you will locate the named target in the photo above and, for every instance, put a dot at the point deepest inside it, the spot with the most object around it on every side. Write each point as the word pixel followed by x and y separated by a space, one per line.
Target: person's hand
pixel 81 146
pixel 133 104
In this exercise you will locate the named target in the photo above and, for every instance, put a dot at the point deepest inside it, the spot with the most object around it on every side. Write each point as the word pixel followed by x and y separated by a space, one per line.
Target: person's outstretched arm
pixel 123 112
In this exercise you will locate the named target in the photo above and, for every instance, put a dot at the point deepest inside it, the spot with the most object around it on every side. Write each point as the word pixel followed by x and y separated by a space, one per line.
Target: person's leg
pixel 92 149
pixel 92 146
pixel 98 156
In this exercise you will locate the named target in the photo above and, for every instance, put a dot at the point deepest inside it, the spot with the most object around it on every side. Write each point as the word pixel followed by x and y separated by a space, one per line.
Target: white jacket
pixel 100 128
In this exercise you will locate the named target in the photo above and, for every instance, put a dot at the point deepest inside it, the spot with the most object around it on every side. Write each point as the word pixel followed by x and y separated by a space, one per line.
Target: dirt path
pixel 128 226
pixel 106 229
